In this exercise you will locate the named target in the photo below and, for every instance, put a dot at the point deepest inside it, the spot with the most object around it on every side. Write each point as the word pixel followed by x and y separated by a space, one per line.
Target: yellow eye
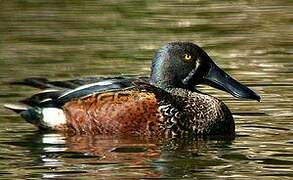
pixel 187 57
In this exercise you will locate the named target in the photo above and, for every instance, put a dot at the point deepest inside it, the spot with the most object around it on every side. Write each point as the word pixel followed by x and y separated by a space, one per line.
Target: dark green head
pixel 184 65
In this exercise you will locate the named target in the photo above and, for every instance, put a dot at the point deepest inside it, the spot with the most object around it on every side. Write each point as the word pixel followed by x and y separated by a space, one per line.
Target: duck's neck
pixel 162 80
pixel 160 73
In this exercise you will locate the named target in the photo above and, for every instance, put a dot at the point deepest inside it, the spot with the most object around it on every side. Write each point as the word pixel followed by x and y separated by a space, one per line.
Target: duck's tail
pixel 43 118
pixel 18 108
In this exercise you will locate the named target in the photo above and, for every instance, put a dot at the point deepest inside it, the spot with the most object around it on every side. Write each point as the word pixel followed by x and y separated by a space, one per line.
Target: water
pixel 251 40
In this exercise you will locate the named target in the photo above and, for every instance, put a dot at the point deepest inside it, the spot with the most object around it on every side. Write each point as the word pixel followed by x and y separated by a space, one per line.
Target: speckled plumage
pixel 193 113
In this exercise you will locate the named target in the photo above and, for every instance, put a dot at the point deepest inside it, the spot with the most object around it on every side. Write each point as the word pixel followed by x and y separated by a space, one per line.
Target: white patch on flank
pixel 102 83
pixel 53 117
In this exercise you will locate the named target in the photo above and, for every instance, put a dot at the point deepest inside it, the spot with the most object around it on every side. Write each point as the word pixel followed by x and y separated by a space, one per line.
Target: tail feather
pixel 18 108
pixel 43 118
pixel 33 116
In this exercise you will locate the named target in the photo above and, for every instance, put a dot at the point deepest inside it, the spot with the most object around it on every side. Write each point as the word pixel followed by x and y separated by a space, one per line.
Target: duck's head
pixel 184 65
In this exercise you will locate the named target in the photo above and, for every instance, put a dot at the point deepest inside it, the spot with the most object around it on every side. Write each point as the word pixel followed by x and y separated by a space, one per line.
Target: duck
pixel 165 104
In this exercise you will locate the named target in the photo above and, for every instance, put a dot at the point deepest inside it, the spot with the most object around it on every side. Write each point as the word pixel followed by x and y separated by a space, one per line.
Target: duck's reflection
pixel 122 156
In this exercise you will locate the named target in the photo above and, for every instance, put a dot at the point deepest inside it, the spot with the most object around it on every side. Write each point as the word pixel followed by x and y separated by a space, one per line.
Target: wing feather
pixel 57 93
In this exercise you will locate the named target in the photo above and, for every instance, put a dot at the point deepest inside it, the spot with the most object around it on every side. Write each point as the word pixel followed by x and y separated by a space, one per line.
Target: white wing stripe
pixel 102 83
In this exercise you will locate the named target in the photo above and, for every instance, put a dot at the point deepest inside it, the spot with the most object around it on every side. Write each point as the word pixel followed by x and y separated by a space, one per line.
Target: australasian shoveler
pixel 166 104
